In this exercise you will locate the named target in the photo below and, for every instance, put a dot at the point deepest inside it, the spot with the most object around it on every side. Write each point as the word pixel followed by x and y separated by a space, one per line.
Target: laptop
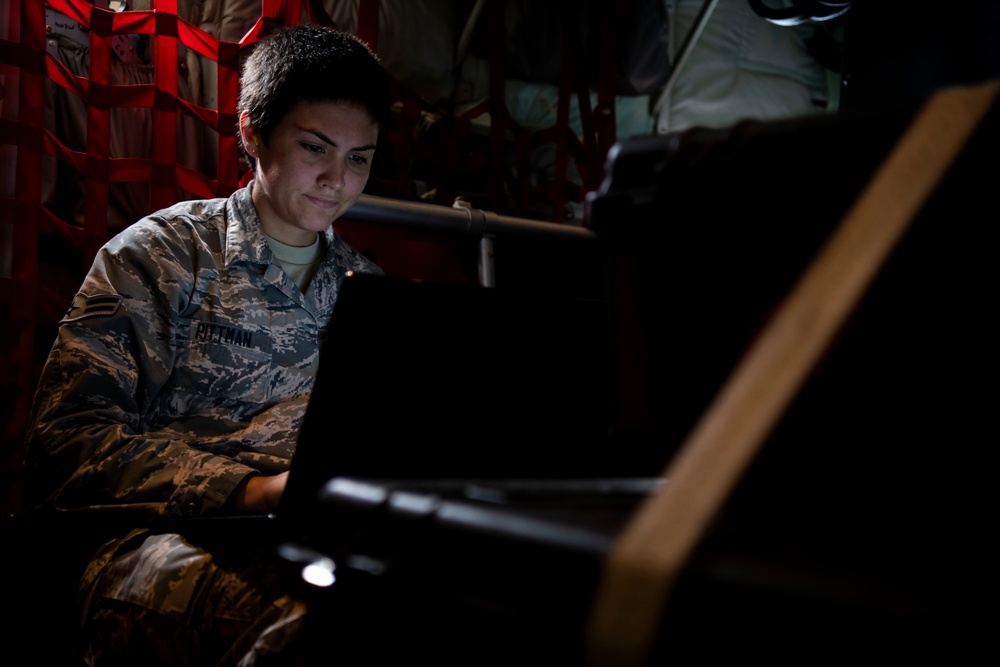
pixel 436 381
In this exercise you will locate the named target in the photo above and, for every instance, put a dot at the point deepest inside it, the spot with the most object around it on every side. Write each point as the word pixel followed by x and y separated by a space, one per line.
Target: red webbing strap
pixel 19 290
pixel 162 169
pixel 658 540
pixel 368 22
pixel 523 148
pixel 163 192
pixel 317 13
pixel 60 75
pixel 50 224
pixel 95 189
pixel 458 161
pixel 285 12
pixel 273 14
pixel 222 120
pixel 403 140
pixel 227 90
pixel 258 29
pixel 267 21
pixel 255 32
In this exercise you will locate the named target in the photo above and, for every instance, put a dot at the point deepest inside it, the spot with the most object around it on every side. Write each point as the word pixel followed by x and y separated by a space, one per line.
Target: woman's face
pixel 313 168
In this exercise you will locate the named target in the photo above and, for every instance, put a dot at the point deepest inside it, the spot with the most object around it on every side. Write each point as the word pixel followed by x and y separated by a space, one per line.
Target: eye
pixel 358 159
pixel 312 148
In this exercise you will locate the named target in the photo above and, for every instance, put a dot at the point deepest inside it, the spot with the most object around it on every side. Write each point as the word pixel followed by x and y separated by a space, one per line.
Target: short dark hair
pixel 308 62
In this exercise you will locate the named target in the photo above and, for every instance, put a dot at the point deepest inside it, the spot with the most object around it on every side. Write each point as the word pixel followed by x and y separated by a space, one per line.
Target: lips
pixel 323 203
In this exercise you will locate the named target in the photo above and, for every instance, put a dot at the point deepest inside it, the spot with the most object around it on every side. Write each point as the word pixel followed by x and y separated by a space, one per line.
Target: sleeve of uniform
pixel 89 446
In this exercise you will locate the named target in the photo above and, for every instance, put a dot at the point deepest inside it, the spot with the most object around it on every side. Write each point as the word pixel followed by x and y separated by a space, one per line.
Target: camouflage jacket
pixel 183 365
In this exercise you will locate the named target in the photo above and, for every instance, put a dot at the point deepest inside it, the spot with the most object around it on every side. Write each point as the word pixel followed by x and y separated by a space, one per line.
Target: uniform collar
pixel 245 240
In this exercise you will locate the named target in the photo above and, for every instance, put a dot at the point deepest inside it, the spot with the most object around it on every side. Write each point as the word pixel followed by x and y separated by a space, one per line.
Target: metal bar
pixel 461 221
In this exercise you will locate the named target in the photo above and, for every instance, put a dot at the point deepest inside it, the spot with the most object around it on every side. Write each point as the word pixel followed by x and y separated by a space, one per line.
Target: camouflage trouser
pixel 158 599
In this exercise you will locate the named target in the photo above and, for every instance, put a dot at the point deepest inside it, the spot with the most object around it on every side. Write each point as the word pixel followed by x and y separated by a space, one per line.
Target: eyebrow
pixel 328 140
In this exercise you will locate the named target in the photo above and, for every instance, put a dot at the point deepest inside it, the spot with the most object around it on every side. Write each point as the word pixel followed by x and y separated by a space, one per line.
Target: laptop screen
pixel 425 380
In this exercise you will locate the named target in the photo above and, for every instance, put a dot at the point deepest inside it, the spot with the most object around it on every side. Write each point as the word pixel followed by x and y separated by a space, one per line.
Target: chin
pixel 317 223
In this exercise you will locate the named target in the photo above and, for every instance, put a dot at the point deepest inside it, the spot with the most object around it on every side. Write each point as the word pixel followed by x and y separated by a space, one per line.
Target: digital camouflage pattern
pixel 184 365
pixel 186 359
pixel 162 599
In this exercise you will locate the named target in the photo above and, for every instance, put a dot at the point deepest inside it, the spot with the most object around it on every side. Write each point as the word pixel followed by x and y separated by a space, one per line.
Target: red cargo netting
pixel 33 297
pixel 101 109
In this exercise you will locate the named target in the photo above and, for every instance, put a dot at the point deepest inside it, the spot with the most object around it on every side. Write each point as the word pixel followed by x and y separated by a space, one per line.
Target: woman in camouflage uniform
pixel 180 375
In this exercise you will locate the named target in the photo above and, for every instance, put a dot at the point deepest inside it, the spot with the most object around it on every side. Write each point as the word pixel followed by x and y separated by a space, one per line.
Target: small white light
pixel 319 573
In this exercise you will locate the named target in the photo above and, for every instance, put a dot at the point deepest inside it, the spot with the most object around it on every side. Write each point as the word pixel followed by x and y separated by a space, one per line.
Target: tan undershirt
pixel 299 262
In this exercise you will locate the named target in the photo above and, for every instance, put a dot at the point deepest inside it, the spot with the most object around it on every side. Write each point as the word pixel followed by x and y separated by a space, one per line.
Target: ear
pixel 251 140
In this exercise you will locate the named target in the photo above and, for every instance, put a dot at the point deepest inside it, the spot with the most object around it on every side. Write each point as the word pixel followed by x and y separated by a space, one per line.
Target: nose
pixel 332 175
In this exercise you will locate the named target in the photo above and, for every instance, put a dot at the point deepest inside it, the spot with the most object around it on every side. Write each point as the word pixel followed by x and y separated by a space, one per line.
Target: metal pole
pixel 461 220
